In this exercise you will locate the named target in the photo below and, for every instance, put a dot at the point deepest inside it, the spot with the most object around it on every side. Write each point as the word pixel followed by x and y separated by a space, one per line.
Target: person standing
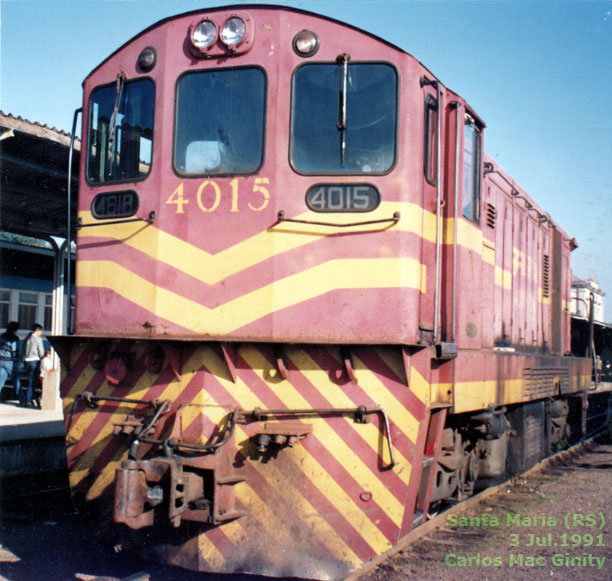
pixel 33 353
pixel 9 356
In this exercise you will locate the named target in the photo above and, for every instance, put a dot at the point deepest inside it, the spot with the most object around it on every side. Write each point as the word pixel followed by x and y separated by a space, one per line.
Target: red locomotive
pixel 308 306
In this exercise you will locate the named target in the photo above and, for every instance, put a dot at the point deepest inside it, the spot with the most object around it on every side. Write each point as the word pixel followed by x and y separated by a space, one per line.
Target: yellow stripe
pixel 247 398
pixel 473 395
pixel 172 391
pixel 211 269
pixel 306 511
pixel 350 273
pixel 338 398
pixel 395 409
pixel 327 485
pixel 470 237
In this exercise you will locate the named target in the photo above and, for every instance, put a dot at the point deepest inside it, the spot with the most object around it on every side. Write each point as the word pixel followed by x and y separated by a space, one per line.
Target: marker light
pixel 147 59
pixel 233 32
pixel 204 35
pixel 306 43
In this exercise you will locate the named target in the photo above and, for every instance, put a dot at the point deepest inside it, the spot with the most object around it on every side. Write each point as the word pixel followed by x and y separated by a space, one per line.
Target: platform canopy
pixel 33 178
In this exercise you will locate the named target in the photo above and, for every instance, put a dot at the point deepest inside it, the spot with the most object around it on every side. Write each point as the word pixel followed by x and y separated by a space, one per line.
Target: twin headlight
pixel 232 34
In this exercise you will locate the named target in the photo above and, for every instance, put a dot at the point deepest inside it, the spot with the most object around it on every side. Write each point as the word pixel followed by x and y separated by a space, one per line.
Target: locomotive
pixel 310 310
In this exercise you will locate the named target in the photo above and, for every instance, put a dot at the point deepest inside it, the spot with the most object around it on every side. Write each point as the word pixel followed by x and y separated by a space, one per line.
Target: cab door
pixel 470 239
pixel 431 176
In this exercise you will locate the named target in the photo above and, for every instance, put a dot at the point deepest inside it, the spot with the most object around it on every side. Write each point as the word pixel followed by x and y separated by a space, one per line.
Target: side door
pixel 431 180
pixel 469 237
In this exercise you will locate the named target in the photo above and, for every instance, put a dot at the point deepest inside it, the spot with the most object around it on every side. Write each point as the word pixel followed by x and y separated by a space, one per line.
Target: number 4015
pixel 209 196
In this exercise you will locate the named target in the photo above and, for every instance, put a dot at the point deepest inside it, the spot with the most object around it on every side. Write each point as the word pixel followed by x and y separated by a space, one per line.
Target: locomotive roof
pixel 270 7
pixel 276 8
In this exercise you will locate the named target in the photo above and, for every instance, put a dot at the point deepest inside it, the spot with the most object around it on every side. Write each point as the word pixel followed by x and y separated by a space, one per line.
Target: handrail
pixel 69 329
pixel 149 220
pixel 456 218
pixel 542 216
pixel 360 412
pixel 280 217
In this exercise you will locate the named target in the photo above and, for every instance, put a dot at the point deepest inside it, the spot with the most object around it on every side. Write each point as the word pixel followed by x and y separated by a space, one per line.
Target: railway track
pixel 554 521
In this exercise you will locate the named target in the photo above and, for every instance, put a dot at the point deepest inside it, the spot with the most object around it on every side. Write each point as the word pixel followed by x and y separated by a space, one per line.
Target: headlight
pixel 204 35
pixel 306 43
pixel 233 32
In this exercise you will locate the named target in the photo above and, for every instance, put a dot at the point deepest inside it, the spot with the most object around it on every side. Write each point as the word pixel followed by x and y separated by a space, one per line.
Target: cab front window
pixel 220 116
pixel 120 133
pixel 344 118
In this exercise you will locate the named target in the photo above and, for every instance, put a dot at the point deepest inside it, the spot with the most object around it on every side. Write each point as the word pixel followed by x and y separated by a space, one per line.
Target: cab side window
pixel 431 140
pixel 471 170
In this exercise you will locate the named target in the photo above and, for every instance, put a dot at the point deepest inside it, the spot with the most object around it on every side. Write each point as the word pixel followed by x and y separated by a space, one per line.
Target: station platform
pixel 17 423
pixel 32 448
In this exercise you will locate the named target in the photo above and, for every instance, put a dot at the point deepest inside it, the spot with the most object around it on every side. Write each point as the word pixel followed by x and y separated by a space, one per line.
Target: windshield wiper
pixel 114 120
pixel 343 61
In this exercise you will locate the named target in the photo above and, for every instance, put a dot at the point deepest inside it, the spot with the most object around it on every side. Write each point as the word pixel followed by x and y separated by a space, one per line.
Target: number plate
pixel 114 205
pixel 342 198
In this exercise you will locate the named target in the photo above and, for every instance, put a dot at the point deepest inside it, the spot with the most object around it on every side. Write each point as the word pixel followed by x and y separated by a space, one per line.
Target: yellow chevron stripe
pixel 234 531
pixel 292 496
pixel 418 384
pixel 338 398
pixel 77 388
pixel 350 273
pixel 395 409
pixel 211 269
pixel 88 457
pixel 345 505
pixel 204 549
pixel 171 392
pixel 75 353
pixel 247 398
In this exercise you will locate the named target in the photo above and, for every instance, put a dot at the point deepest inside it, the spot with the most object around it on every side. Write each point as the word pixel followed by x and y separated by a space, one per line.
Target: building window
pixel 26 311
pixel 5 308
pixel 471 170
pixel 48 318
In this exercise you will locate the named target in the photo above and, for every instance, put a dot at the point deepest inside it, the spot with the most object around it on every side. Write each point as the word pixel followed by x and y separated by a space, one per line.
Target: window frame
pixel 430 163
pixel 8 303
pixel 89 127
pixel 184 175
pixel 393 165
pixel 476 193
pixel 24 305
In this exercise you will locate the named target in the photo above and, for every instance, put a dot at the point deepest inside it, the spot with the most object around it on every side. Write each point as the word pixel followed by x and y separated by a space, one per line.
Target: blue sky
pixel 539 72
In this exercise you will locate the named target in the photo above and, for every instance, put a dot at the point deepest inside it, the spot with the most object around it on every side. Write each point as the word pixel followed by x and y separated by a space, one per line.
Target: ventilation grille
pixel 546 276
pixel 491 215
pixel 541 382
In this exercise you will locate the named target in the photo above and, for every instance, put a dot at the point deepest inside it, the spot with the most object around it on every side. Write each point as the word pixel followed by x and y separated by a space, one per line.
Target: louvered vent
pixel 546 276
pixel 491 215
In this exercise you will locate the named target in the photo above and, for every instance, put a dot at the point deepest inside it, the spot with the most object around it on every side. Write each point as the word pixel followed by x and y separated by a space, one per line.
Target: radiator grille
pixel 544 381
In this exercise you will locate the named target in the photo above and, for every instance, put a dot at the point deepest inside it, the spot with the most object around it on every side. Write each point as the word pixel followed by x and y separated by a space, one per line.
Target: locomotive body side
pixel 306 309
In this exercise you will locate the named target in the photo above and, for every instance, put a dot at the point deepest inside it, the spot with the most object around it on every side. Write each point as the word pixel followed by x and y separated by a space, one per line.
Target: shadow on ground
pixel 42 539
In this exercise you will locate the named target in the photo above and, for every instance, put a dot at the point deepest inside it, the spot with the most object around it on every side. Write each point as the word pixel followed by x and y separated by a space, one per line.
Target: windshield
pixel 344 118
pixel 220 122
pixel 120 131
